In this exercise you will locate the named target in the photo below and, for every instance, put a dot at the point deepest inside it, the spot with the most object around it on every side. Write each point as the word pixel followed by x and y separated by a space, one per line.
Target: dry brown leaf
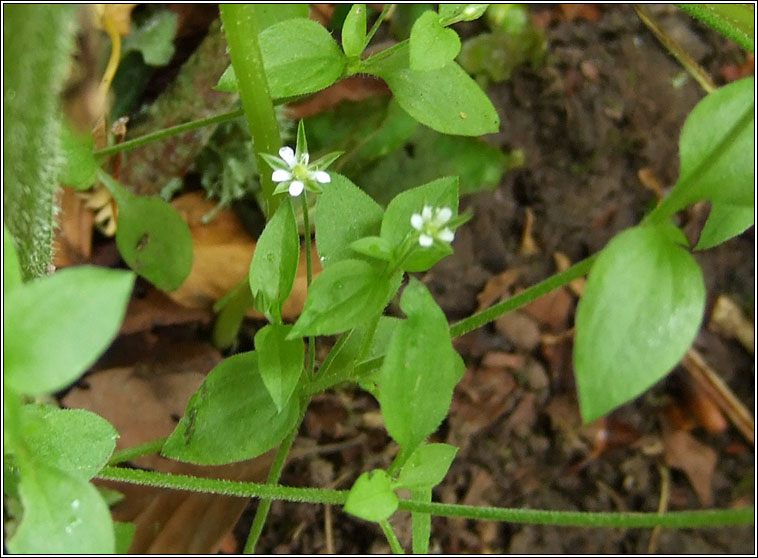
pixel 552 309
pixel 481 397
pixel 520 329
pixel 73 236
pixel 651 182
pixel 572 12
pixel 528 244
pixel 354 89
pixel 497 288
pixel 703 408
pixel 728 320
pixel 156 309
pixel 698 461
pixel 222 253
pixel 500 359
pixel 562 262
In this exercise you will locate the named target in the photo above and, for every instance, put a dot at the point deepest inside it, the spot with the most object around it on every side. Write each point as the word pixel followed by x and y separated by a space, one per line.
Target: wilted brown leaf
pixel 698 461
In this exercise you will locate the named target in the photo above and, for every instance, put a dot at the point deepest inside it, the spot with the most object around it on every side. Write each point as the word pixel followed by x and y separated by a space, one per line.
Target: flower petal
pixel 443 215
pixel 425 240
pixel 296 188
pixel 426 213
pixel 417 221
pixel 287 155
pixel 280 175
pixel 323 177
pixel 446 235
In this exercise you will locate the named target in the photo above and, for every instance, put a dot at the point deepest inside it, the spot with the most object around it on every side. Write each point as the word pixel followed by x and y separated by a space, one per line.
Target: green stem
pixel 241 29
pixel 421 522
pixel 679 520
pixel 127 454
pixel 309 280
pixel 479 319
pixel 377 23
pixel 727 19
pixel 167 132
pixel 389 533
pixel 232 309
pixel 273 477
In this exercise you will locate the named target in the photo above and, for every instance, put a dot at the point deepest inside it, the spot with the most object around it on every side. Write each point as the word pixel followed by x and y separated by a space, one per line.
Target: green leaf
pixel 270 14
pixel 79 164
pixel 734 21
pixel 280 361
pixel 725 221
pixel 639 313
pixel 61 324
pixel 371 497
pixel 63 514
pixel 344 213
pixel 453 13
pixel 310 61
pixel 37 43
pixel 152 237
pixel 354 31
pixel 153 38
pixel 396 224
pixel 426 467
pixel 717 150
pixel 431 45
pixel 274 264
pixel 231 417
pixel 374 247
pixel 445 99
pixel 342 296
pixel 11 267
pixel 72 440
pixel 420 370
pixel 124 535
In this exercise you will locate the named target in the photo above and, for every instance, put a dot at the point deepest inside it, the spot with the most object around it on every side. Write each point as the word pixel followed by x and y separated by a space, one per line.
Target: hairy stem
pixel 389 533
pixel 679 520
pixel 127 454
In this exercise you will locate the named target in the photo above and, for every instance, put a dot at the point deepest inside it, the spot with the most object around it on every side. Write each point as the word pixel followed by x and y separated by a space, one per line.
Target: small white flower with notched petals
pixel 431 225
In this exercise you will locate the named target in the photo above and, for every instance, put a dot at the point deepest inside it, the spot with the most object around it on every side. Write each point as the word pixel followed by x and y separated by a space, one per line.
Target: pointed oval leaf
pixel 63 514
pixel 342 296
pixel 725 221
pixel 432 46
pixel 420 370
pixel 73 440
pixel 231 417
pixel 60 324
pixel 344 213
pixel 354 31
pixel 639 313
pixel 426 467
pixel 371 497
pixel 280 361
pixel 274 265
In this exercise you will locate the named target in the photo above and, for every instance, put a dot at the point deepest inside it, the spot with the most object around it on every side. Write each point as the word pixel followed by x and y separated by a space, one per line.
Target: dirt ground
pixel 598 124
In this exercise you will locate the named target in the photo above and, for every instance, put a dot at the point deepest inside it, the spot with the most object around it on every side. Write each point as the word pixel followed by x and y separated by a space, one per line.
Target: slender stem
pixel 676 50
pixel 241 29
pixel 167 132
pixel 232 309
pixel 679 520
pixel 525 297
pixel 115 57
pixel 377 23
pixel 273 477
pixel 309 280
pixel 127 454
pixel 726 19
pixel 389 533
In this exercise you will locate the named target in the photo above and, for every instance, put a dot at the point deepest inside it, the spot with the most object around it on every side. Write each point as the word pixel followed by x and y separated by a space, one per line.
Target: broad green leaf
pixel 734 21
pixel 280 361
pixel 79 164
pixel 445 99
pixel 37 43
pixel 72 440
pixel 60 325
pixel 422 522
pixel 431 45
pixel 11 266
pixel 453 13
pixel 153 38
pixel 274 264
pixel 640 311
pixel 310 61
pixel 344 213
pixel 717 150
pixel 124 535
pixel 396 225
pixel 373 247
pixel 63 514
pixel 426 467
pixel 231 417
pixel 420 370
pixel 342 296
pixel 270 14
pixel 371 497
pixel 152 237
pixel 725 221
pixel 354 31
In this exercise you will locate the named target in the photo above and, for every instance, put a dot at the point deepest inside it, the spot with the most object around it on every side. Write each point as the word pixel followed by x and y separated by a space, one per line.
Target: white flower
pixel 294 173
pixel 432 226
